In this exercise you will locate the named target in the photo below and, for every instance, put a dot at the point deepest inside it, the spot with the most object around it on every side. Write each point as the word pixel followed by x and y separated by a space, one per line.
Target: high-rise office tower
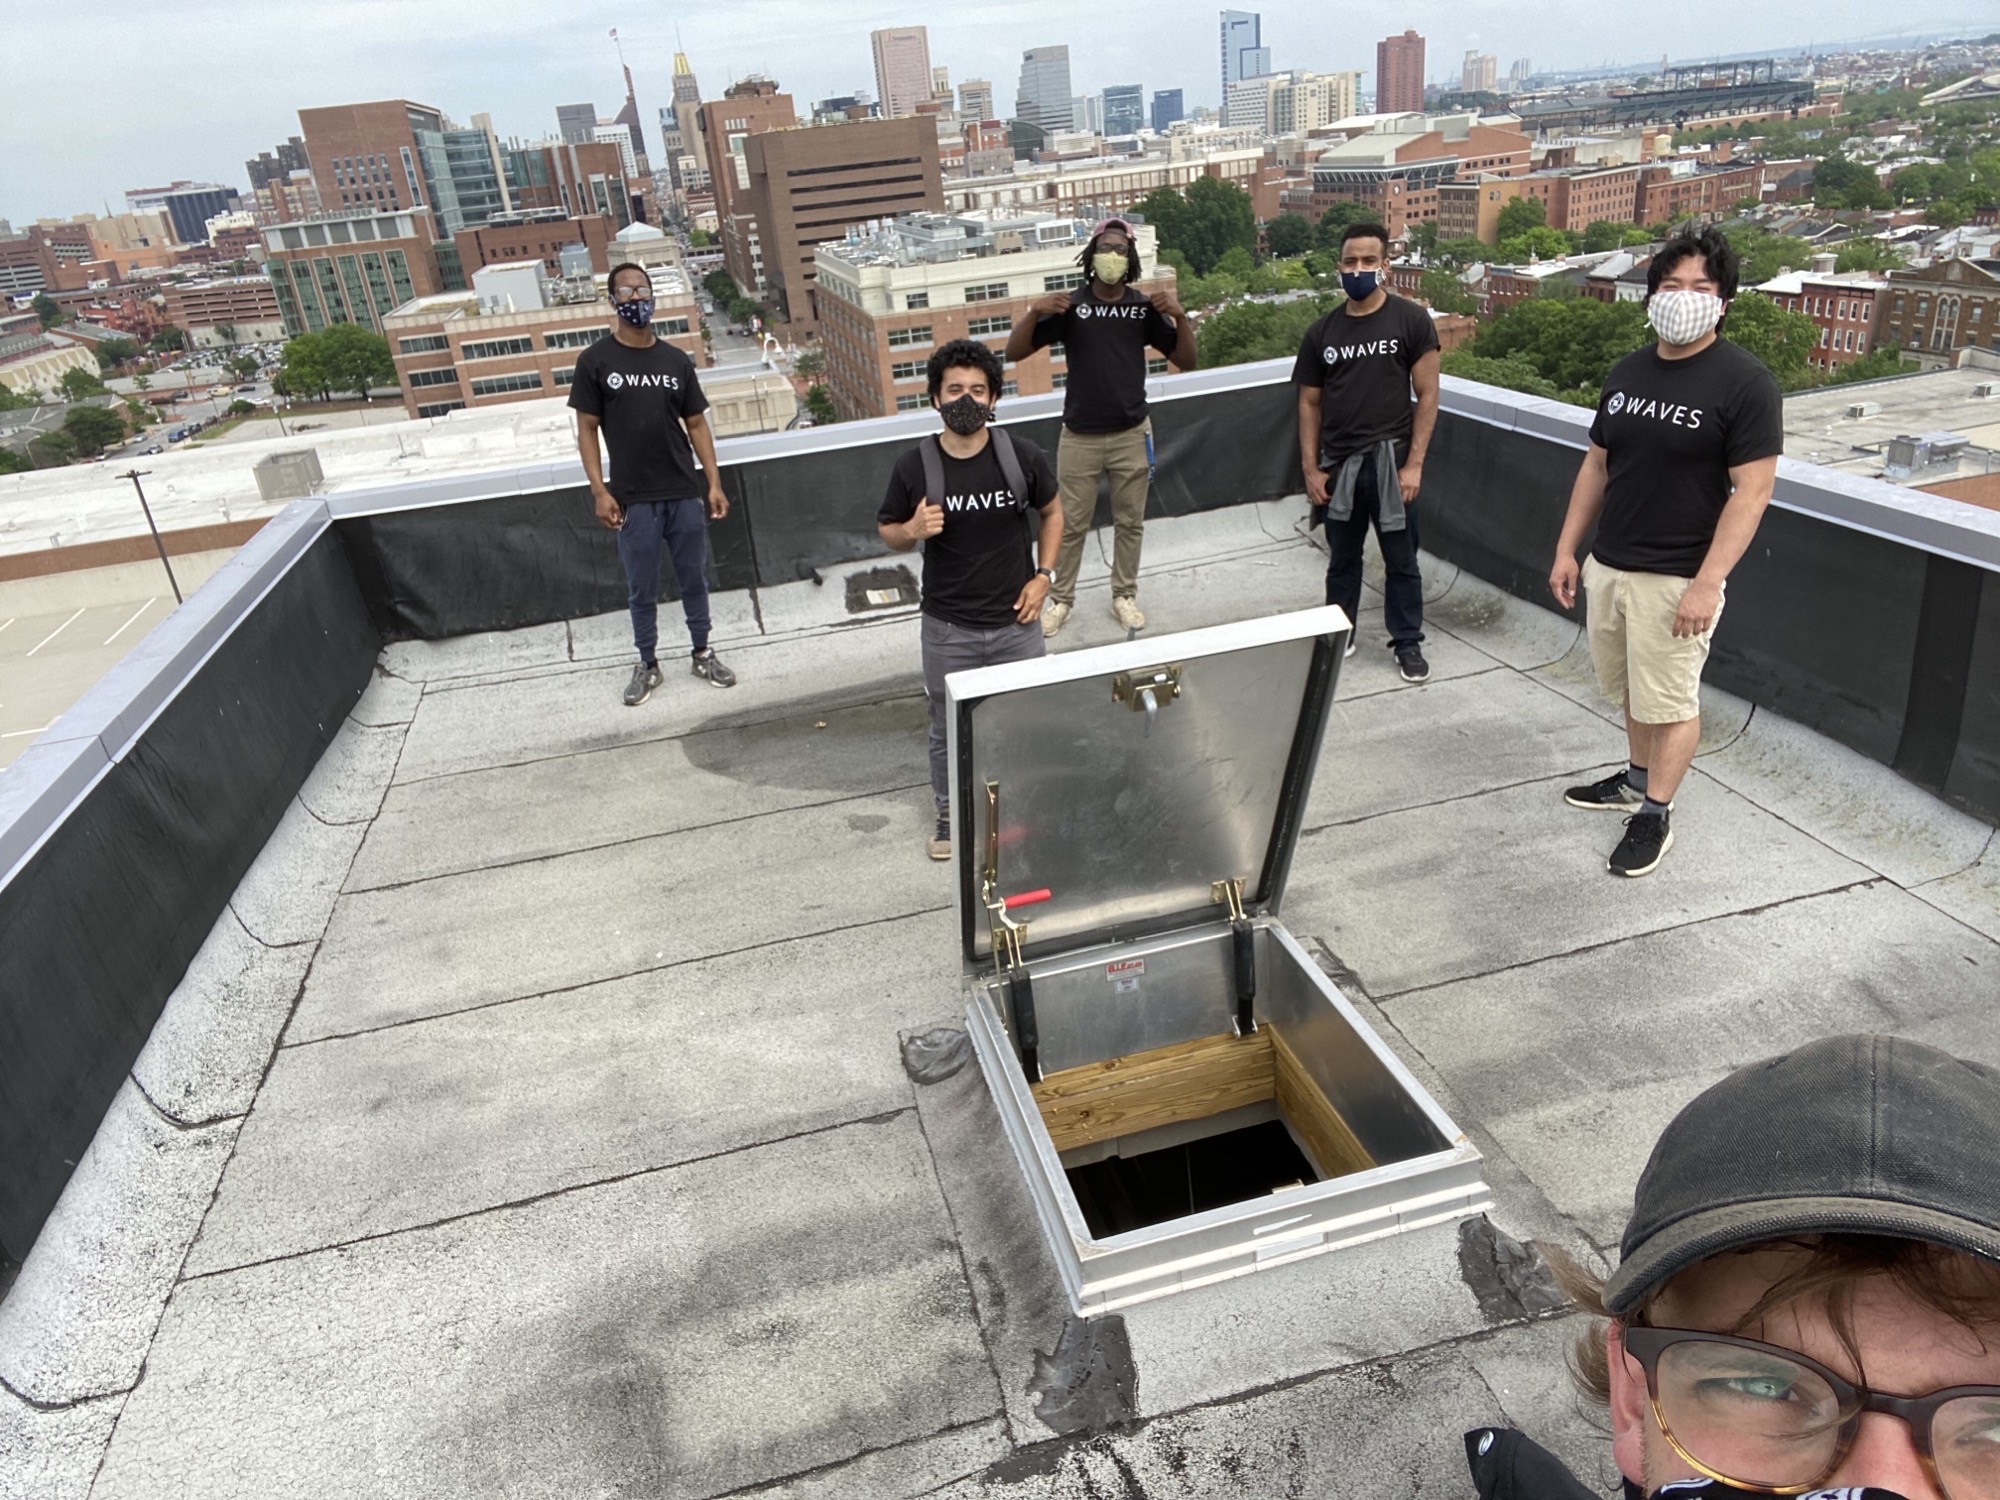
pixel 941 86
pixel 1043 99
pixel 575 123
pixel 1244 54
pixel 1086 112
pixel 1166 108
pixel 1399 74
pixel 975 99
pixel 1124 109
pixel 902 69
pixel 1480 73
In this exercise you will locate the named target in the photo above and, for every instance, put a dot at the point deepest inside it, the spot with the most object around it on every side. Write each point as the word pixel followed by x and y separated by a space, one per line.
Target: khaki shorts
pixel 1641 664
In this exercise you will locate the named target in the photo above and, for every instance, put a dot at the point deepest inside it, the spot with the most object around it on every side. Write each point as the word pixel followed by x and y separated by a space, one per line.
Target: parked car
pixel 152 448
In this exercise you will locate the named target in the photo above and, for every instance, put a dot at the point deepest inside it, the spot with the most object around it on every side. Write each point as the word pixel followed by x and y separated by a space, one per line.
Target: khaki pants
pixel 1641 664
pixel 1080 458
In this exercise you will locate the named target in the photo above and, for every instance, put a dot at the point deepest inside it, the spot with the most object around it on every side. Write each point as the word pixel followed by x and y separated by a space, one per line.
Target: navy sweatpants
pixel 681 526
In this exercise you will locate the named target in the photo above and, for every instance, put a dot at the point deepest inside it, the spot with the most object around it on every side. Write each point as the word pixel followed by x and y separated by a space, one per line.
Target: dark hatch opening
pixel 1122 1193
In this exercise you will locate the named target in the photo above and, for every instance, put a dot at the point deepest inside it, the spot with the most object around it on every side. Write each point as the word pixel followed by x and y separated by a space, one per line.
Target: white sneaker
pixel 1127 613
pixel 1054 613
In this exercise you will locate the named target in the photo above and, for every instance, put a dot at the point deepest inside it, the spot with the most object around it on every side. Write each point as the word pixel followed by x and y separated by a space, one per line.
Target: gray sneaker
pixel 645 677
pixel 710 666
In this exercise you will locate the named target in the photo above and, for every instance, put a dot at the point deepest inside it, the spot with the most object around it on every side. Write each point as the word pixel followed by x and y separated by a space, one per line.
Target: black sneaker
pixel 1646 842
pixel 1410 662
pixel 645 677
pixel 709 665
pixel 1613 794
pixel 1352 641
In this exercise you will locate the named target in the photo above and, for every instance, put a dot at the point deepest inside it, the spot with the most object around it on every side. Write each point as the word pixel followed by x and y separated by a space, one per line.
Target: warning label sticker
pixel 1125 973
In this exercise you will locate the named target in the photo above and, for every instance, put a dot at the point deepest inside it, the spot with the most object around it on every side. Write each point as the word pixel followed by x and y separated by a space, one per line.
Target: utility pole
pixel 133 475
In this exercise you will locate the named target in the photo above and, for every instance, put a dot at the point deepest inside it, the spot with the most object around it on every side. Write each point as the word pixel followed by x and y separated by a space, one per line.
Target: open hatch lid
pixel 1128 807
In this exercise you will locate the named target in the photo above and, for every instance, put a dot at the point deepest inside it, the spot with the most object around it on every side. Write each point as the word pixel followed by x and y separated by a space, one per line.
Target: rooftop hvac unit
pixel 1986 390
pixel 289 476
pixel 1862 409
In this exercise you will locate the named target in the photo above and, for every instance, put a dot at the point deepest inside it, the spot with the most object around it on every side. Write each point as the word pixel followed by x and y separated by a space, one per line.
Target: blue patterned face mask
pixel 638 312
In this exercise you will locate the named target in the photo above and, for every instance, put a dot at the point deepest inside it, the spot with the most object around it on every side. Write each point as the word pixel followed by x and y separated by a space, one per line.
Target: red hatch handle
pixel 1027 898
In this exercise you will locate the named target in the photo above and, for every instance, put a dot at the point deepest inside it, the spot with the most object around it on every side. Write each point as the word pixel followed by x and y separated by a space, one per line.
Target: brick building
pixel 226 310
pixel 541 237
pixel 1399 73
pixel 46 257
pixel 1933 313
pixel 353 268
pixel 887 300
pixel 1842 304
pixel 506 340
pixel 1574 198
pixel 750 107
pixel 574 180
pixel 807 187
pixel 366 157
pixel 1111 185
pixel 1670 191
pixel 1397 171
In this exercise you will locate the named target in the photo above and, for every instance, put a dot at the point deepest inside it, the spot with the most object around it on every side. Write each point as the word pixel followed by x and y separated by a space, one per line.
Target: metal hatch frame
pixel 1327 627
pixel 1238 1239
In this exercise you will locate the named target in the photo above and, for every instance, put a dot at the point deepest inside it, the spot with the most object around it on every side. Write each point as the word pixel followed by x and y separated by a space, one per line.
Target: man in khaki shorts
pixel 1682 458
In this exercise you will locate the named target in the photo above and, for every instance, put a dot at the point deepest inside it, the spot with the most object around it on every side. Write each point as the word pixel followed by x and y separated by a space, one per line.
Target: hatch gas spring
pixel 1244 937
pixel 1010 968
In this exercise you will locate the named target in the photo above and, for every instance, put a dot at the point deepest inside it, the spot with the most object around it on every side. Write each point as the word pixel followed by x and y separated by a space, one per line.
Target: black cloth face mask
pixel 965 416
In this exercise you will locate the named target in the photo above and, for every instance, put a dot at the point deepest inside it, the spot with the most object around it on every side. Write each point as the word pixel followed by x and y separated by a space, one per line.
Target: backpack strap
pixel 1010 466
pixel 933 460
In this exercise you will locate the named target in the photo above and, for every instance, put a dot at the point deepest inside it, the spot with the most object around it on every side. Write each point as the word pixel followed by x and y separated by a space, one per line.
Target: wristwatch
pixel 1048 573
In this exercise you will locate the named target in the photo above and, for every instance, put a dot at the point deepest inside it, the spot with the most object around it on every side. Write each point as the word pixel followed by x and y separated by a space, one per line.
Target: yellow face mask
pixel 1109 266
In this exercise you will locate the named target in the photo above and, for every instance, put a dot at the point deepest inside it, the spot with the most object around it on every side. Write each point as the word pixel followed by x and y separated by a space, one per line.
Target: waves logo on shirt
pixel 1616 404
pixel 618 380
pixel 615 380
pixel 1082 312
pixel 1648 406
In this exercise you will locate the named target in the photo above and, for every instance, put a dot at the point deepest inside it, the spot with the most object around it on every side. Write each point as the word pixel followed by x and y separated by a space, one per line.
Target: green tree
pixel 1258 330
pixel 13 463
pixel 13 400
pixel 137 416
pixel 240 408
pixel 810 363
pixel 1212 218
pixel 142 381
pixel 1572 342
pixel 1538 242
pixel 77 384
pixel 1333 223
pixel 46 309
pixel 819 404
pixel 243 367
pixel 1512 374
pixel 1877 364
pixel 302 368
pixel 1289 235
pixel 1519 215
pixel 1461 253
pixel 1235 261
pixel 226 332
pixel 700 239
pixel 1633 238
pixel 52 450
pixel 1761 255
pixel 1866 255
pixel 1602 234
pixel 93 429
pixel 355 359
pixel 1784 341
pixel 112 353
pixel 1422 236
pixel 169 339
pixel 1445 292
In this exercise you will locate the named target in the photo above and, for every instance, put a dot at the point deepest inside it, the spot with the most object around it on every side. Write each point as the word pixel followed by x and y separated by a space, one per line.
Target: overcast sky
pixel 104 97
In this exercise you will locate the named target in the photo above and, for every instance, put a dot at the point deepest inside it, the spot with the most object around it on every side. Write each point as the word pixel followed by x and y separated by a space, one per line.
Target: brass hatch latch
pixel 1010 966
pixel 1147 691
pixel 1243 936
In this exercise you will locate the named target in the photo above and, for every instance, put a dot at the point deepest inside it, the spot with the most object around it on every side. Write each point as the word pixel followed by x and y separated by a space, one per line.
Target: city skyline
pixel 465 59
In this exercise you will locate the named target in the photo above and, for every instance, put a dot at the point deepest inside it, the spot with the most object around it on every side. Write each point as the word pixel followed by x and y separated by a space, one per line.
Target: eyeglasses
pixel 630 293
pixel 1770 1419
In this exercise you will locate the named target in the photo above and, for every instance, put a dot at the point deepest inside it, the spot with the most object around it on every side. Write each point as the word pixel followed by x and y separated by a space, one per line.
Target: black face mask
pixel 965 416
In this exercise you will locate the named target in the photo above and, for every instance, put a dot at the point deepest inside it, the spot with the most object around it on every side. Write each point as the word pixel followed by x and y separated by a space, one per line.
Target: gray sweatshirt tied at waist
pixel 1388 487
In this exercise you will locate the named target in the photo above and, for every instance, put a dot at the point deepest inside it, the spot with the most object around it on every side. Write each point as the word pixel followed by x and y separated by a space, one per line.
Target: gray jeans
pixel 955 648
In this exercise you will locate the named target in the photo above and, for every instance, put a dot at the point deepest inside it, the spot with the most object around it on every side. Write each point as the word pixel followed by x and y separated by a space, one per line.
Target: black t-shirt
pixel 642 396
pixel 1672 429
pixel 1362 368
pixel 977 566
pixel 1105 346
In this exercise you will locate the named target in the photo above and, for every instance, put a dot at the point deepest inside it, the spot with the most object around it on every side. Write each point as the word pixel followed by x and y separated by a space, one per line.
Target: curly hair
pixel 965 354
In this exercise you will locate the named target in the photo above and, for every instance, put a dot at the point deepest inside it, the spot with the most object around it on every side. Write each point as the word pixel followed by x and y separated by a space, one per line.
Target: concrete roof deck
pixel 534 1122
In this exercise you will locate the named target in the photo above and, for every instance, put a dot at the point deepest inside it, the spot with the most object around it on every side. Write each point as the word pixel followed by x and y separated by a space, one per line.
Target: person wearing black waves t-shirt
pixel 1362 439
pixel 1682 459
pixel 643 396
pixel 983 585
pixel 1106 331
